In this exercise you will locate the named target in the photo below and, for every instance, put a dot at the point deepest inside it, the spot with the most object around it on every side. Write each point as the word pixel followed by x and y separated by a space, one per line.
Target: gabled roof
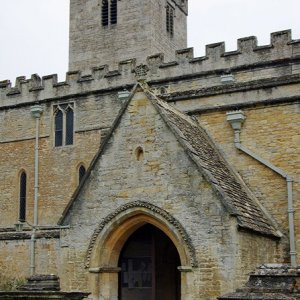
pixel 201 149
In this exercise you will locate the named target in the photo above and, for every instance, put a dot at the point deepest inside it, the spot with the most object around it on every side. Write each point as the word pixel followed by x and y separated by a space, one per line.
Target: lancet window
pixel 81 172
pixel 22 197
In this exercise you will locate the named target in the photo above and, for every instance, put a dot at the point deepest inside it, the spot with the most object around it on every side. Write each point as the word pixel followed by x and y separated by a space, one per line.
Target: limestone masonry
pixel 150 173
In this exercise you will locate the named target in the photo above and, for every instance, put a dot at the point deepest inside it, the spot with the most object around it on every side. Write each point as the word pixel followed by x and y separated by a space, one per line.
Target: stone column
pixel 186 282
pixel 107 286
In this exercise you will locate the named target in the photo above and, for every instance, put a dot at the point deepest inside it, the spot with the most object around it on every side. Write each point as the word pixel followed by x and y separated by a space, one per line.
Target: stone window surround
pixel 109 12
pixel 63 107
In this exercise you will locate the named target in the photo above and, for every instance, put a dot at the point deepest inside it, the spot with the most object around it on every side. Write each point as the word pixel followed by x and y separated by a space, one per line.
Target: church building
pixel 151 174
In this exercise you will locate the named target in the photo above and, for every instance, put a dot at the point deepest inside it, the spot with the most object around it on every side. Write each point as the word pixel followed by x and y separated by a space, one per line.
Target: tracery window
pixel 22 197
pixel 64 124
pixel 109 12
pixel 170 13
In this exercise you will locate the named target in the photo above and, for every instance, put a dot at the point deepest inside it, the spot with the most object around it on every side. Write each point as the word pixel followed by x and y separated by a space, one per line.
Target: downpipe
pixel 32 252
pixel 36 112
pixel 236 119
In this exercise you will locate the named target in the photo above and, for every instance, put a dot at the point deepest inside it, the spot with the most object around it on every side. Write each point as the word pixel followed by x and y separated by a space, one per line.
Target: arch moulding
pixel 113 231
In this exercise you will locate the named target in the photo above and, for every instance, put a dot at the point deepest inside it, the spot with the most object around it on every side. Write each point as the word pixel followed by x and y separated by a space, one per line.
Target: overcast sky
pixel 34 33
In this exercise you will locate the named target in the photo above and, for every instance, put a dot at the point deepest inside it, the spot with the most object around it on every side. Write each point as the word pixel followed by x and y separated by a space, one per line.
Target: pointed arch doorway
pixel 149 262
pixel 113 234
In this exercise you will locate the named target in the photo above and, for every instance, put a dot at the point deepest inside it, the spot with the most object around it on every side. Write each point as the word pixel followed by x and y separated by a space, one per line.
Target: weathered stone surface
pixel 41 283
pixel 270 282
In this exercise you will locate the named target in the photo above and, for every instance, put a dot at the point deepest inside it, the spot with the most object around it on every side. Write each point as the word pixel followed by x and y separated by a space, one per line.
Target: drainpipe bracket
pixel 36 111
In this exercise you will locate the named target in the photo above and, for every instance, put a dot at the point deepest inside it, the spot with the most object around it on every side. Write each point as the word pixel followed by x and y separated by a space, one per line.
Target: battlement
pixel 216 61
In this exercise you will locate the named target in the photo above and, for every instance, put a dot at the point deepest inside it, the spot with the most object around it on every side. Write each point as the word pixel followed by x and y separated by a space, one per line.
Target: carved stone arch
pixel 114 230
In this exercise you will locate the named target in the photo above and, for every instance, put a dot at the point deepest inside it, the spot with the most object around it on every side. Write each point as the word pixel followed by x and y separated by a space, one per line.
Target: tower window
pixel 22 197
pixel 81 172
pixel 64 124
pixel 113 12
pixel 170 20
pixel 104 12
pixel 109 12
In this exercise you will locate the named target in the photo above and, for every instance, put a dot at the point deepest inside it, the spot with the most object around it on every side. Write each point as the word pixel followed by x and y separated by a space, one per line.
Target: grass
pixel 10 284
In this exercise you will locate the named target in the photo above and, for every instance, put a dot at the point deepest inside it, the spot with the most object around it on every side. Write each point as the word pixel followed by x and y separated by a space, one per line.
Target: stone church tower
pixel 109 31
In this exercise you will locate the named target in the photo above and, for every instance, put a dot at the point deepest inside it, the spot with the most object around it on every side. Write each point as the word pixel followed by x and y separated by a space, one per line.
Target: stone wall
pixel 58 165
pixel 272 133
pixel 165 177
pixel 15 256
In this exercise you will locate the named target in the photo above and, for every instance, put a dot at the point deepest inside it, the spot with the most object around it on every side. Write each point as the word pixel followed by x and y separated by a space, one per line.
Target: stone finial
pixel 36 80
pixel 141 71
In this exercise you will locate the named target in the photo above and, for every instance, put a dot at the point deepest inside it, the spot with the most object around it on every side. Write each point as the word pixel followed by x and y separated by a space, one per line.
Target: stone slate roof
pixel 204 153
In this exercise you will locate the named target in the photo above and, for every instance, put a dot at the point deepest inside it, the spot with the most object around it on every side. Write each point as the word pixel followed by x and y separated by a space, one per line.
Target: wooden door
pixel 149 262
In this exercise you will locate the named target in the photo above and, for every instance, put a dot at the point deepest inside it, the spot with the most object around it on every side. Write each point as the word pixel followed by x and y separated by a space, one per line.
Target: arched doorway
pixel 149 262
pixel 113 232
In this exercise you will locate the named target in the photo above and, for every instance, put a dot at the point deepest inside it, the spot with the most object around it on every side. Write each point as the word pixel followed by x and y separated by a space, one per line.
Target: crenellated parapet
pixel 248 53
pixel 281 50
pixel 47 87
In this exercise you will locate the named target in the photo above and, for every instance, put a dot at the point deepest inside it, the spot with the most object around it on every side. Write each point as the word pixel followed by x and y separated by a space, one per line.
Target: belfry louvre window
pixel 64 124
pixel 113 12
pixel 22 197
pixel 170 20
pixel 105 8
pixel 109 12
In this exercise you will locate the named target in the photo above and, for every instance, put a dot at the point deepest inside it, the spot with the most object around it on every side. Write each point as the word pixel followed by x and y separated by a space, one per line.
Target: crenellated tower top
pixel 109 31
